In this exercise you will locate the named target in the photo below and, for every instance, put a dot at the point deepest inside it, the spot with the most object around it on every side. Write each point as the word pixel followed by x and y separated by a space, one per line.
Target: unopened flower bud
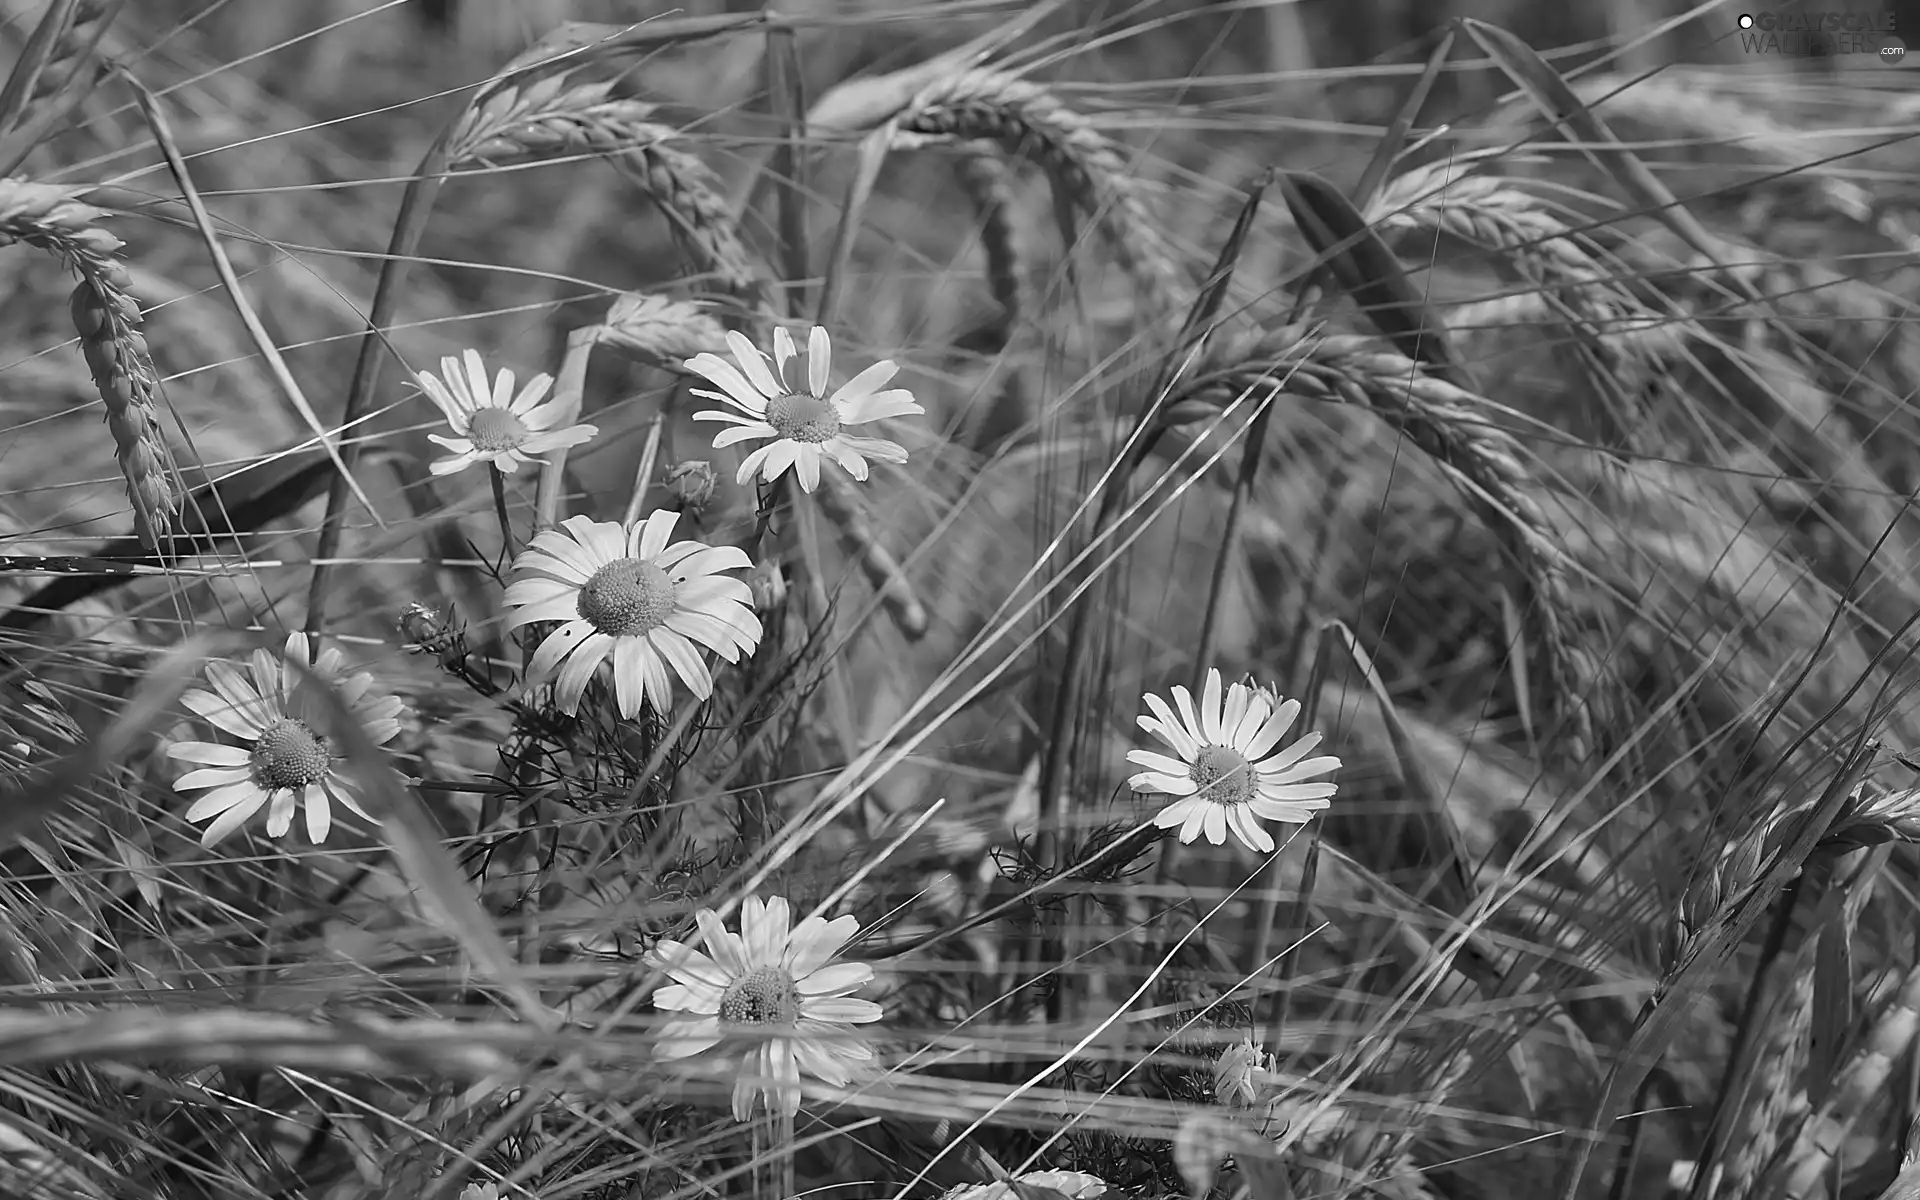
pixel 421 625
pixel 692 483
pixel 1233 1074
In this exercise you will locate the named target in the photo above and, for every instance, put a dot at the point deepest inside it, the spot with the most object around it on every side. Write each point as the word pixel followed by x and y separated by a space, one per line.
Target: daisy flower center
pixel 492 430
pixel 627 598
pixel 802 418
pixel 763 996
pixel 289 754
pixel 1224 775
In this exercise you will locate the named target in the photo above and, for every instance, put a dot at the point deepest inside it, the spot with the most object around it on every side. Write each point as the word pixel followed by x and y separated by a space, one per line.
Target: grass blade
pixel 276 363
pixel 1388 148
pixel 39 795
pixel 1559 104
pixel 1708 952
pixel 1369 272
pixel 55 20
pixel 415 839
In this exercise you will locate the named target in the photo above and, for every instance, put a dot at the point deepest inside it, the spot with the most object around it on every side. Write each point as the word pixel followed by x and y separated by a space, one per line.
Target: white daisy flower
pixel 807 425
pixel 1224 775
pixel 770 995
pixel 480 1191
pixel 494 425
pixel 287 760
pixel 625 592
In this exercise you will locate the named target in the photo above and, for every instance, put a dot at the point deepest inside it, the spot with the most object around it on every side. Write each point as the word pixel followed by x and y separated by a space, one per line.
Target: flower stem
pixel 500 510
pixel 1250 458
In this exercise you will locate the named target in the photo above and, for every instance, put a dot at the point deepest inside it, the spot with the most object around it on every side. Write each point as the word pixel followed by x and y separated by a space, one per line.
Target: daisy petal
pixel 1216 823
pixel 1271 731
pixel 210 753
pixel 843 1008
pixel 1171 785
pixel 1210 713
pixel 819 361
pixel 837 980
pixel 1172 730
pixel 743 433
pixel 861 386
pixel 880 407
pixel 1159 763
pixel 734 387
pixel 233 818
pixel 754 364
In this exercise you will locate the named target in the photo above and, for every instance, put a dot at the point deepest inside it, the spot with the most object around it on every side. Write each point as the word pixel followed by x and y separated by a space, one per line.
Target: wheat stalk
pixel 1087 168
pixel 550 119
pixel 1453 427
pixel 68 51
pixel 108 320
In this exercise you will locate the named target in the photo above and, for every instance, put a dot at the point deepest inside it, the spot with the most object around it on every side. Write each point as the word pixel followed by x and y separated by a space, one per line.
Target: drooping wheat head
pixel 1575 286
pixel 554 118
pixel 1086 167
pixel 108 320
pixel 660 331
pixel 989 181
pixel 1454 428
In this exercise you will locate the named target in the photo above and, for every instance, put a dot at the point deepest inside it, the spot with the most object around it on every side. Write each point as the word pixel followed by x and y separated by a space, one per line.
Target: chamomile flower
pixel 804 421
pixel 492 424
pixel 767 996
pixel 1227 775
pixel 285 760
pixel 625 593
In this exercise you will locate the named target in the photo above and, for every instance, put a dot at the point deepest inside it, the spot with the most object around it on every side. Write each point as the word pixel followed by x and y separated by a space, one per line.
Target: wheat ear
pixel 659 331
pixel 1493 214
pixel 1086 167
pixel 1776 1113
pixel 1681 104
pixel 989 182
pixel 1773 1097
pixel 1453 427
pixel 1864 1081
pixel 551 119
pixel 108 320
